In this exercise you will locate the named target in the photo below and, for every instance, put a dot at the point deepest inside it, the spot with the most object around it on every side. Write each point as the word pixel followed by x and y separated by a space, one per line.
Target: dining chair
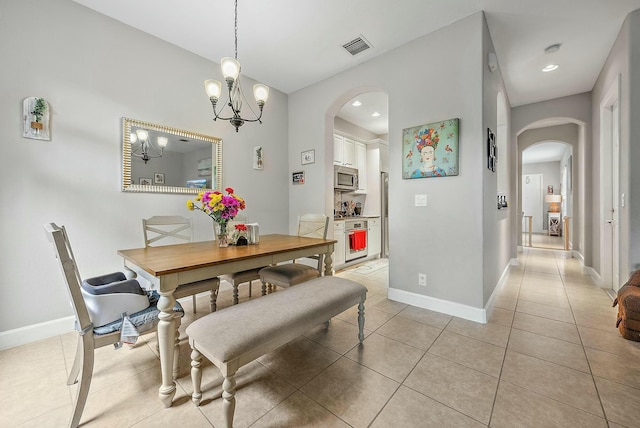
pixel 288 274
pixel 107 305
pixel 179 230
pixel 238 278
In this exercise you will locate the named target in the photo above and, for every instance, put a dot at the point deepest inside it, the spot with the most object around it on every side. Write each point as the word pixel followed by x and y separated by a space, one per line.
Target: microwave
pixel 345 178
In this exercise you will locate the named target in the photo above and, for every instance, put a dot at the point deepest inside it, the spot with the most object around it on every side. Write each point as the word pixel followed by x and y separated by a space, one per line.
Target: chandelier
pixel 230 71
pixel 145 149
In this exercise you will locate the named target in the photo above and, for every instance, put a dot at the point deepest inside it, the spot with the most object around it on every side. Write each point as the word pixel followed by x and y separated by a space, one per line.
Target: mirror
pixel 161 159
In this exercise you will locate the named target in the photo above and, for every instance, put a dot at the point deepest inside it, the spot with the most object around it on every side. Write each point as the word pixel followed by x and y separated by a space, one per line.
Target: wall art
pixel 35 113
pixel 257 157
pixel 430 150
pixel 158 178
pixel 297 177
pixel 492 151
pixel 308 157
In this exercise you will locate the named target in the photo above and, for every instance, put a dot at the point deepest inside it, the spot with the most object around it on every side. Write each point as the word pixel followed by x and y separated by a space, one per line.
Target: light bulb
pixel 163 141
pixel 213 88
pixel 261 93
pixel 230 68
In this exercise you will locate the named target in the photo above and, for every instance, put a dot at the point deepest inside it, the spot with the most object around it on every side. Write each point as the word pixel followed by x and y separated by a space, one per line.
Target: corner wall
pixel 94 70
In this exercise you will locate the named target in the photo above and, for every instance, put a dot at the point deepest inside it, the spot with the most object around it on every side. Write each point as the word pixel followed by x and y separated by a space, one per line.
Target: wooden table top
pixel 167 259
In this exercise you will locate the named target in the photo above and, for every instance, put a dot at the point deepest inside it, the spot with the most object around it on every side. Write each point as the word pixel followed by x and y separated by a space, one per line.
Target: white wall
pixel 619 63
pixel 422 239
pixel 88 67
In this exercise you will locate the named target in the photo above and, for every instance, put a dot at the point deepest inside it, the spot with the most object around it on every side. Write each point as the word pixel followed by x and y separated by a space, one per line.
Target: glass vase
pixel 222 235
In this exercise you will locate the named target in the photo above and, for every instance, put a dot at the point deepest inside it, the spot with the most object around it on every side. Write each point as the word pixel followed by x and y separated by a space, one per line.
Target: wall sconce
pixel 146 150
pixel 554 202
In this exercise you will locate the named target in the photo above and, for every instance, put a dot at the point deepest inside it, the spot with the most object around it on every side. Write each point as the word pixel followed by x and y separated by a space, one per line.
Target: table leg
pixel 166 341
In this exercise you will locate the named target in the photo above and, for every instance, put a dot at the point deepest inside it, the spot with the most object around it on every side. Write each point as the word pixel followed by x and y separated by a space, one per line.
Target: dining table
pixel 167 267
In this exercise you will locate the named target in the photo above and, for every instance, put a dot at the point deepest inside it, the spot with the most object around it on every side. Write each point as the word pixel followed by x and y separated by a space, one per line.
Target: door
pixel 611 199
pixel 532 201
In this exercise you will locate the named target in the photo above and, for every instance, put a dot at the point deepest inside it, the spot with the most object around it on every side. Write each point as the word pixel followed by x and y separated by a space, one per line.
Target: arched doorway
pixel 357 123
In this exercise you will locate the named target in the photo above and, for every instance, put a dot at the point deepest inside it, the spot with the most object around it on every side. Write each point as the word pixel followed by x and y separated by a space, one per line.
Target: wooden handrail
pixel 566 232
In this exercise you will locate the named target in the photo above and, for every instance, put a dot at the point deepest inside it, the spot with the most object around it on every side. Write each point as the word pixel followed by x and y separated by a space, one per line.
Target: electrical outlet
pixel 422 279
pixel 420 200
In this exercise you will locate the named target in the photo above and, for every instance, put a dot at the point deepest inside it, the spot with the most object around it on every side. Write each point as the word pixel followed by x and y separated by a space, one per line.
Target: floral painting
pixel 430 150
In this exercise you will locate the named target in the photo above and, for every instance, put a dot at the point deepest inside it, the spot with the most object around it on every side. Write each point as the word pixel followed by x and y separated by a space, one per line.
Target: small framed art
pixel 297 177
pixel 158 178
pixel 492 151
pixel 145 181
pixel 308 157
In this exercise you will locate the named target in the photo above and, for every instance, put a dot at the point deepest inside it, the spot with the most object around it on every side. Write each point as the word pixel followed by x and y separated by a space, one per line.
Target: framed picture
pixel 492 151
pixel 204 167
pixel 158 178
pixel 308 157
pixel 145 182
pixel 200 183
pixel 430 150
pixel 297 177
pixel 257 157
pixel 35 115
pixel 550 190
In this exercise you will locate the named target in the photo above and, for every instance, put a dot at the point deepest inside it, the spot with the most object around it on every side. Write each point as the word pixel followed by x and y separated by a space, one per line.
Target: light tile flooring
pixel 542 240
pixel 549 357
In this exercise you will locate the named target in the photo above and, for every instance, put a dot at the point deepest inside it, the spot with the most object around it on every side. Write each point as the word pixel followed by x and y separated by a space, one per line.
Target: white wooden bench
pixel 235 336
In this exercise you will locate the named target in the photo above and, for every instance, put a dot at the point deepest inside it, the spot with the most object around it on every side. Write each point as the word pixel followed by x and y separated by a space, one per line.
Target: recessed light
pixel 550 67
pixel 356 103
pixel 375 114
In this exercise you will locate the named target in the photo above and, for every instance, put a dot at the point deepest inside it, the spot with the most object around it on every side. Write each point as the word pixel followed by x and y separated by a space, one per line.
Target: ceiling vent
pixel 357 45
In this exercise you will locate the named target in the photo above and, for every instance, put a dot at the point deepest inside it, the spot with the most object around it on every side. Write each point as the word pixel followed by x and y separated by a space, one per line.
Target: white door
pixel 615 181
pixel 532 201
pixel 610 188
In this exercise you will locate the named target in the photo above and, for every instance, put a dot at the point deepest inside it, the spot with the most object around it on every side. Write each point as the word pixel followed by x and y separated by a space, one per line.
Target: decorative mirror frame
pixel 128 186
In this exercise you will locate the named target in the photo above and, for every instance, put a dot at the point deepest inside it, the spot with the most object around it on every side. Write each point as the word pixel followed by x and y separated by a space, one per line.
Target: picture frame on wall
pixel 297 177
pixel 158 178
pixel 431 150
pixel 308 157
pixel 257 158
pixel 146 181
pixel 492 151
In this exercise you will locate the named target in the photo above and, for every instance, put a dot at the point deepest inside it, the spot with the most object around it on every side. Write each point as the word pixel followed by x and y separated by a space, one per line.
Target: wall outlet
pixel 422 279
pixel 420 200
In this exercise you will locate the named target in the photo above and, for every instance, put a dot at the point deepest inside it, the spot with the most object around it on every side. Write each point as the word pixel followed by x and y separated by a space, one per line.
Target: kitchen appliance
pixel 344 178
pixel 356 239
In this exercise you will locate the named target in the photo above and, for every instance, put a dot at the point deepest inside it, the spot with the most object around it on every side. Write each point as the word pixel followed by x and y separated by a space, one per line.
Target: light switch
pixel 622 200
pixel 421 200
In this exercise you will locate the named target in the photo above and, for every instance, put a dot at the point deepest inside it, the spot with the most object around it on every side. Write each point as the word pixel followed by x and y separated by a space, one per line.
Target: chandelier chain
pixel 236 29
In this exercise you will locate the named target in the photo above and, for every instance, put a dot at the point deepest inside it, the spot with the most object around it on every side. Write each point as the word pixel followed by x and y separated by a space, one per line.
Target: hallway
pixel 550 356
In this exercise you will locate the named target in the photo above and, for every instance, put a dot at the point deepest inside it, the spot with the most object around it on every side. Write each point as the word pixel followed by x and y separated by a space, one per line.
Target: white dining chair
pixel 238 278
pixel 288 274
pixel 179 230
pixel 100 323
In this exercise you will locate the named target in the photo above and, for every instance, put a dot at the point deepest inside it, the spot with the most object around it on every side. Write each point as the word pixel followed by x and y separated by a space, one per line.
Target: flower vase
pixel 222 235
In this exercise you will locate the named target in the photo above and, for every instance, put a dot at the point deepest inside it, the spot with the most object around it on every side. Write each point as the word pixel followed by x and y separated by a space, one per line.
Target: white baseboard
pixel 32 333
pixel 432 303
pixel 591 272
pixel 514 262
pixel 44 330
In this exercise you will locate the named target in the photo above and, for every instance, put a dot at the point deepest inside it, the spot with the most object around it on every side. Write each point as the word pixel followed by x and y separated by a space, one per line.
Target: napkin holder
pixel 253 230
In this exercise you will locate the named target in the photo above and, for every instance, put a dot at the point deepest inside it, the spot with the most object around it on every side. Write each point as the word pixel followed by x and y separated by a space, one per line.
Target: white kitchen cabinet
pixel 338 149
pixel 374 236
pixel 361 164
pixel 344 151
pixel 348 154
pixel 339 247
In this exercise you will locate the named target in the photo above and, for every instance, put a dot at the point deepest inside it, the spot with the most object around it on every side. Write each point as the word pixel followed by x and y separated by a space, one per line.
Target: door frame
pixel 609 213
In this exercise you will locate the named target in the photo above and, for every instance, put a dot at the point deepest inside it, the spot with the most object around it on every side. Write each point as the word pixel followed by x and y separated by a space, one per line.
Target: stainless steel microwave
pixel 345 178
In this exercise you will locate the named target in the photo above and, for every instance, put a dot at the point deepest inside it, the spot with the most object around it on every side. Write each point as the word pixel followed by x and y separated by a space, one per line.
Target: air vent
pixel 357 45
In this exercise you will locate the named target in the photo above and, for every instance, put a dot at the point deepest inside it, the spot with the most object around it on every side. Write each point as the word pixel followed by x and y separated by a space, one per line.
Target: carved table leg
pixel 328 264
pixel 166 341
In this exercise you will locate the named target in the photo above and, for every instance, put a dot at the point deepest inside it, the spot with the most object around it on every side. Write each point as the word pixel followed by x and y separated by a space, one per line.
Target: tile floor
pixel 549 357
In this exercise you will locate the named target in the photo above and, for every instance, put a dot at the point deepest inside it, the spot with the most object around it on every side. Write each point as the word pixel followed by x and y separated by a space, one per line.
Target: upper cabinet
pixel 361 164
pixel 351 153
pixel 343 151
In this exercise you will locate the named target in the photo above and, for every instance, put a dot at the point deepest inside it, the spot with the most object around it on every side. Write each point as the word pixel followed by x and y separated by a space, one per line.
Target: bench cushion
pixel 272 320
pixel 288 274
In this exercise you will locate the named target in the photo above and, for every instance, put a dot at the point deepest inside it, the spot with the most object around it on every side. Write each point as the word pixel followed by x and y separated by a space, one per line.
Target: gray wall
pixel 86 66
pixel 422 239
pixel 619 64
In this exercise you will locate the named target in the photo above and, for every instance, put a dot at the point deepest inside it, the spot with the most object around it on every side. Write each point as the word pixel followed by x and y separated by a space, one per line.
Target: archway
pixel 571 132
pixel 347 125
